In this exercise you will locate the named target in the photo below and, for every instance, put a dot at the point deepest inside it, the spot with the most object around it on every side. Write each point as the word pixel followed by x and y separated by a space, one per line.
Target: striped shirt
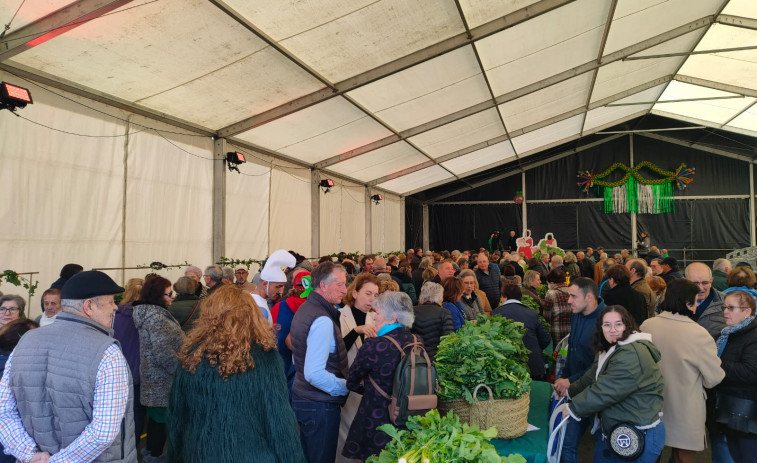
pixel 108 409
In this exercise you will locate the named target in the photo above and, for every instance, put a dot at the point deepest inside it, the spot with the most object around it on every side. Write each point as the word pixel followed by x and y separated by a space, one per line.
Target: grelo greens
pixel 440 439
pixel 489 352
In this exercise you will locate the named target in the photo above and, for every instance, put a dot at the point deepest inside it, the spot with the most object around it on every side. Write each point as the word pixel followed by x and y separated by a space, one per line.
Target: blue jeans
pixel 319 428
pixel 654 441
pixel 719 444
pixel 574 432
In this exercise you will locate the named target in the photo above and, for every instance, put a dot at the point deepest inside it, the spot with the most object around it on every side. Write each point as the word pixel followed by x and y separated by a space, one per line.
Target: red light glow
pixel 17 93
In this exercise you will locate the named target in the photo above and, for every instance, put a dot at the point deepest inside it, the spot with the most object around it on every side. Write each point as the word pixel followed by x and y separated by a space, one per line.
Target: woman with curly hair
pixel 229 400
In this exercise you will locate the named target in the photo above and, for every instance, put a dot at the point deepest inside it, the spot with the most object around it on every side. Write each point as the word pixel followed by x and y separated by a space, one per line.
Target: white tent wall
pixel 169 191
pixel 385 225
pixel 247 196
pixel 290 215
pixel 342 219
pixel 63 193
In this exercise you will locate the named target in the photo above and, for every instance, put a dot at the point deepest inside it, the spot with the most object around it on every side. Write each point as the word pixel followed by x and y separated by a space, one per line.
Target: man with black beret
pixel 66 393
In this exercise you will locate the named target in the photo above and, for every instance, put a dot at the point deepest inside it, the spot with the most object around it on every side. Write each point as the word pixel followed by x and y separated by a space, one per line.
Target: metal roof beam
pixel 41 78
pixel 737 21
pixel 55 24
pixel 716 85
pixel 530 128
pixel 420 56
pixel 696 146
pixel 526 167
pixel 539 85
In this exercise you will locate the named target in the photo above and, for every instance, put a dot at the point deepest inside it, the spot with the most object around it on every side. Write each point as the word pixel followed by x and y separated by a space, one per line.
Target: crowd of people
pixel 293 366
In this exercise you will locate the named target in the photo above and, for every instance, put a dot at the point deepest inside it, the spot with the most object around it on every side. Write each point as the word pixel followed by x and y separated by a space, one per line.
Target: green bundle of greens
pixel 439 439
pixel 529 301
pixel 489 352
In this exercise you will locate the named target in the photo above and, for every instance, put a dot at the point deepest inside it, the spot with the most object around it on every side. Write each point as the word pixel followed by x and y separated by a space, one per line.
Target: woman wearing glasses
pixel 736 396
pixel 160 338
pixel 11 308
pixel 623 386
pixel 689 364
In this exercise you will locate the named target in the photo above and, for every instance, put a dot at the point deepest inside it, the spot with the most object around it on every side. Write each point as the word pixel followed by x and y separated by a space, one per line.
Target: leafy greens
pixel 491 352
pixel 439 439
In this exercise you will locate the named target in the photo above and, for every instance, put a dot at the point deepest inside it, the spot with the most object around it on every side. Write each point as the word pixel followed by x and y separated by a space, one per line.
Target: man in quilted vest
pixel 66 394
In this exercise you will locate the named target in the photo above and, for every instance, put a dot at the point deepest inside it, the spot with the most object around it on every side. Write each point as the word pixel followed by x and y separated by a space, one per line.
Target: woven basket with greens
pixel 489 352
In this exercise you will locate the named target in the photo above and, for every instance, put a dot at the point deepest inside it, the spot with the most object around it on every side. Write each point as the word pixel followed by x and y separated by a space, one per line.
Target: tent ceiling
pixel 397 94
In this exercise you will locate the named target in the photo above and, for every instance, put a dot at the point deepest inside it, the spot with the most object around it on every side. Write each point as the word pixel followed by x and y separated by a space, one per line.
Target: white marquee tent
pixel 118 162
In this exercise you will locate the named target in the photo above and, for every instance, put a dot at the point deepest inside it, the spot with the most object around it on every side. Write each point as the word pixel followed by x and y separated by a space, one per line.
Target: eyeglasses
pixel 168 294
pixel 9 309
pixel 733 307
pixel 618 326
pixel 702 283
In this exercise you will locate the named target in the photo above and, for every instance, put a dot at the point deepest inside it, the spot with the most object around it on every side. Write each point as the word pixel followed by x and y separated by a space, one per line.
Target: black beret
pixel 92 283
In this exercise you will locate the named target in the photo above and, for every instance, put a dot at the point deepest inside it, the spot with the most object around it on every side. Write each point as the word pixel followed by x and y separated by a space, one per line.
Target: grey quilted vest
pixel 53 381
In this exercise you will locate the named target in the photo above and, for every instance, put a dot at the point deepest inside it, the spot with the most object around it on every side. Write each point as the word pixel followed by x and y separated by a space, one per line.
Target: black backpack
pixel 415 384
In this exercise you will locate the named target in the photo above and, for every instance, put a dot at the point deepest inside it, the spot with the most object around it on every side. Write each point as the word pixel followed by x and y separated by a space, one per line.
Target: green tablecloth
pixel 533 444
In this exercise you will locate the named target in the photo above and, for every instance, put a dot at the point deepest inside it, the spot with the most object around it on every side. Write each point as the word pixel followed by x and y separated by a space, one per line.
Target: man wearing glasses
pixel 709 311
pixel 66 391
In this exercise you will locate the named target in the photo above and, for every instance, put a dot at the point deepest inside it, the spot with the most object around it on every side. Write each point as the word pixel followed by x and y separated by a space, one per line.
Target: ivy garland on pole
pixel 634 193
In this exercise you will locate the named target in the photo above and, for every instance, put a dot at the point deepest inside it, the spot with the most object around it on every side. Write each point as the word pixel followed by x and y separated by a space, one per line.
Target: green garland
pixel 634 193
pixel 17 280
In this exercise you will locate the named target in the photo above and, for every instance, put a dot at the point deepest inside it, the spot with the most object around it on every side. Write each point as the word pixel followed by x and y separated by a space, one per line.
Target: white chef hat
pixel 272 270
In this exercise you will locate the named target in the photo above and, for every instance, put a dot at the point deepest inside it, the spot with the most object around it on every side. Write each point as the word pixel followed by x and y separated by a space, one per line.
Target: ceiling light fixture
pixel 13 97
pixel 326 184
pixel 233 159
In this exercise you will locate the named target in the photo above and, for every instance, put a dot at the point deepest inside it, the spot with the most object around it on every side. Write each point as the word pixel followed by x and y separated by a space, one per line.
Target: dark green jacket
pixel 245 419
pixel 719 280
pixel 628 388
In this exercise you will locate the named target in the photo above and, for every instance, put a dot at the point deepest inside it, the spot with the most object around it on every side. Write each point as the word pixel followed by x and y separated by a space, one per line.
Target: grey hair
pixel 467 273
pixel 194 270
pixel 431 292
pixel 214 272
pixel 721 264
pixel 18 300
pixel 557 260
pixel 397 303
pixel 228 272
pixel 384 276
pixel 425 262
pixel 72 305
pixel 324 273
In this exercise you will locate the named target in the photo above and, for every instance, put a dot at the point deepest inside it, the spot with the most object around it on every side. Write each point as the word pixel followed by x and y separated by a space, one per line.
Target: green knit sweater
pixel 247 418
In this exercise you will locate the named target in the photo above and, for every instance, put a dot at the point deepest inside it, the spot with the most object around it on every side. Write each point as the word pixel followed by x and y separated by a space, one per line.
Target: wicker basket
pixel 510 416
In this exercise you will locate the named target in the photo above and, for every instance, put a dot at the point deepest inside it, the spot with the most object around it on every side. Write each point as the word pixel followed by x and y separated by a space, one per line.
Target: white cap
pixel 272 270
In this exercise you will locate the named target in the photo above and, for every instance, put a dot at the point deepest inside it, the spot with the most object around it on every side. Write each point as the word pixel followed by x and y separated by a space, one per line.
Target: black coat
pixel 739 361
pixel 536 338
pixel 629 298
pixel 431 323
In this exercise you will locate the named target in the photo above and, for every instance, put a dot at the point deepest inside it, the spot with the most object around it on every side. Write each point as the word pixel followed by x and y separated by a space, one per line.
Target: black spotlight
pixel 377 198
pixel 233 159
pixel 326 184
pixel 13 96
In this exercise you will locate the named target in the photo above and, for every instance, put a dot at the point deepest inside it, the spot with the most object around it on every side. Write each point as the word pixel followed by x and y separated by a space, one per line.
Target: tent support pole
pixel 403 238
pixel 425 228
pixel 368 221
pixel 524 210
pixel 634 232
pixel 315 213
pixel 752 237
pixel 219 198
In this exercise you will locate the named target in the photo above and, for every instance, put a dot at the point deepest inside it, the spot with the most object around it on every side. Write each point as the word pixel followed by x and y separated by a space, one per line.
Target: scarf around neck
pixel 728 330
